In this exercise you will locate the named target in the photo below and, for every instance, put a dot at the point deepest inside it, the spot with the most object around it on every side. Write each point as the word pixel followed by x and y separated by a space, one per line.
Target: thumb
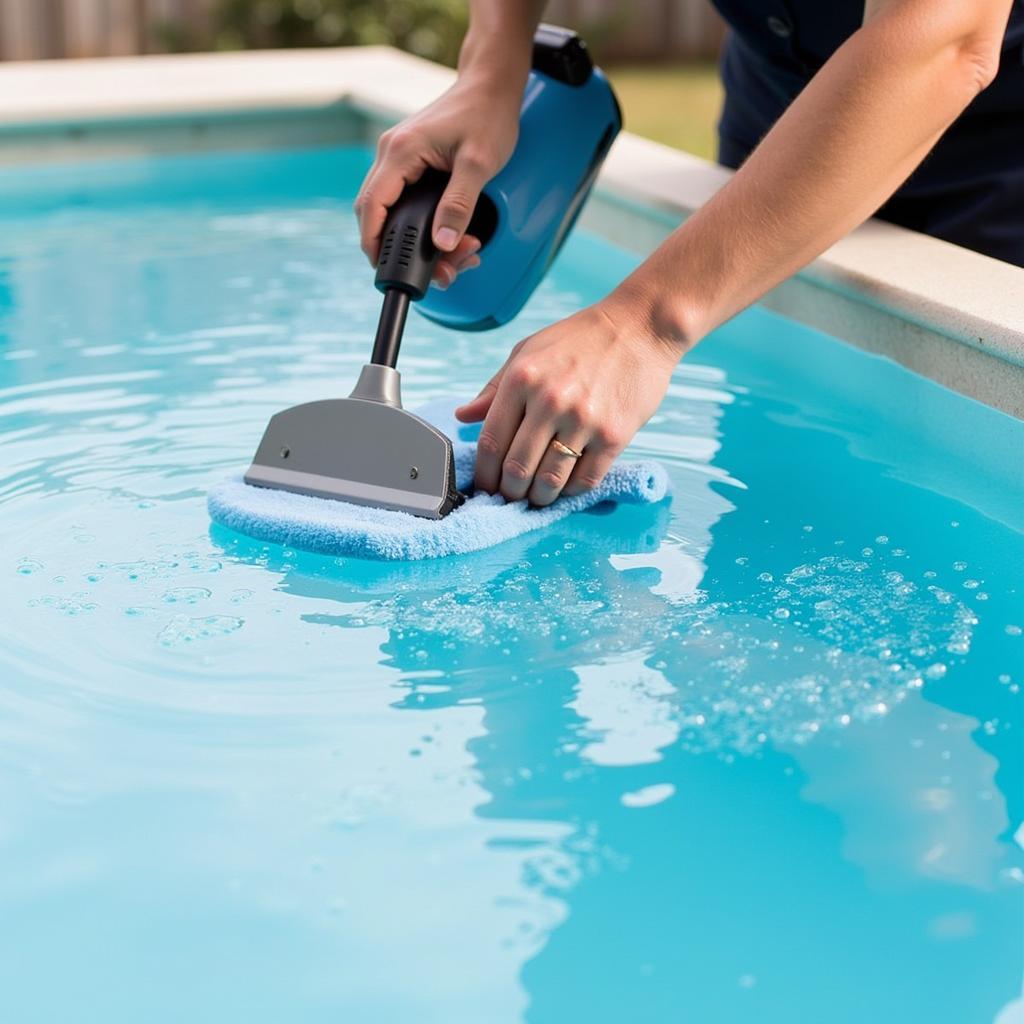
pixel 469 175
pixel 476 409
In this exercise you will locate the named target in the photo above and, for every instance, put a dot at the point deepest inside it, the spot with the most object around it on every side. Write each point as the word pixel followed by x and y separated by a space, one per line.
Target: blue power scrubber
pixel 366 449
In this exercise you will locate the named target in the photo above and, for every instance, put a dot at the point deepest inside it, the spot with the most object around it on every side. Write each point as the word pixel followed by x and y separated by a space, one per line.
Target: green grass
pixel 677 105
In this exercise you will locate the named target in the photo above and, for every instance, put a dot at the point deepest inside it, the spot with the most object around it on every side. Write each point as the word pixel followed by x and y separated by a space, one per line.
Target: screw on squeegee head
pixel 366 448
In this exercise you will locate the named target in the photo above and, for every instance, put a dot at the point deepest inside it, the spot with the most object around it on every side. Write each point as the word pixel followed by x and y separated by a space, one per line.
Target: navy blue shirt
pixel 969 189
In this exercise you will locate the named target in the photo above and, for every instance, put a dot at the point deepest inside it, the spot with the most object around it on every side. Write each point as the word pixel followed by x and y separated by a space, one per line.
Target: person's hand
pixel 470 131
pixel 589 382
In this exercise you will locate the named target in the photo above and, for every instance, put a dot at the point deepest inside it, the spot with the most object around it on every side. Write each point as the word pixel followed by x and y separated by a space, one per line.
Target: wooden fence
pixel 34 29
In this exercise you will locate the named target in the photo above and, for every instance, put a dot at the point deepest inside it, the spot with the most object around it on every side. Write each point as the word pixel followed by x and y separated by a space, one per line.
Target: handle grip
pixel 407 251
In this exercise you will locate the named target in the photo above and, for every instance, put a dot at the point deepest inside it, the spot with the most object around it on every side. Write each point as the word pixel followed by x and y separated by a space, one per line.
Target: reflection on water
pixel 749 754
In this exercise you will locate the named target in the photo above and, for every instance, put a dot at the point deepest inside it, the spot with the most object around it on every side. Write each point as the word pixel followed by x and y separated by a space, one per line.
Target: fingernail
pixel 446 239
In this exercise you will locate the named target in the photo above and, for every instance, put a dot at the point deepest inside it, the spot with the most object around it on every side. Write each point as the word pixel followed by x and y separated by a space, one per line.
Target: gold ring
pixel 564 449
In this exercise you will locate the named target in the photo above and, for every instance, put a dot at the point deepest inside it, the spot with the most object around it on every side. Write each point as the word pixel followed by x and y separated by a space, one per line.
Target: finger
pixel 469 175
pixel 380 191
pixel 476 409
pixel 590 470
pixel 500 427
pixel 444 274
pixel 556 466
pixel 450 264
pixel 526 451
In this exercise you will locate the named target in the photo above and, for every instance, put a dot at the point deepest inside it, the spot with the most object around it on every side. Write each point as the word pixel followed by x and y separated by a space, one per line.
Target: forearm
pixel 499 42
pixel 846 144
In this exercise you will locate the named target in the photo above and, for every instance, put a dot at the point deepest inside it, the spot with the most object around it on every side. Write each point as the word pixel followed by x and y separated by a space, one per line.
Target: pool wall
pixel 949 314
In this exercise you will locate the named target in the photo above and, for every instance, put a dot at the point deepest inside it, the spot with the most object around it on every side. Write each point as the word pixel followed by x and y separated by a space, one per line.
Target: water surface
pixel 753 754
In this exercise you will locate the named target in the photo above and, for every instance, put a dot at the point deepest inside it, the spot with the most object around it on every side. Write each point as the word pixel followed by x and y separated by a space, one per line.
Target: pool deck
pixel 945 312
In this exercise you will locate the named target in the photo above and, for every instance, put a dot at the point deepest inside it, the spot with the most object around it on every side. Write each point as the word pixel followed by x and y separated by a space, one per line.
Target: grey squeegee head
pixel 366 450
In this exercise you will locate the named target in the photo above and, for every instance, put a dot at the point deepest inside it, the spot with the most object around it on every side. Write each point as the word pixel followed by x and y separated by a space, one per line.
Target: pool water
pixel 752 754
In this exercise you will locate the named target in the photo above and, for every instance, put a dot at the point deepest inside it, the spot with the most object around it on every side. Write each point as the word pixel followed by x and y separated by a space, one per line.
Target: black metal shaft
pixel 390 327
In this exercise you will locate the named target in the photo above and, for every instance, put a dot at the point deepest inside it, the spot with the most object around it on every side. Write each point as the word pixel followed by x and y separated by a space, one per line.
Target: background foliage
pixel 429 28
pixel 672 101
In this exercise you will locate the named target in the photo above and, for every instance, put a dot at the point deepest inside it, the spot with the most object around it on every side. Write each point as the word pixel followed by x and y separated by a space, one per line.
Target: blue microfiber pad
pixel 339 528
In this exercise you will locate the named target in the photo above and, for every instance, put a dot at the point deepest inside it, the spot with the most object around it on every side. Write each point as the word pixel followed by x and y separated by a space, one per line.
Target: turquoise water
pixel 752 755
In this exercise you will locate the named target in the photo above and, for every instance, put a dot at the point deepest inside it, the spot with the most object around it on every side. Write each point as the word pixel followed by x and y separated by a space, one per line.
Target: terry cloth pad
pixel 333 527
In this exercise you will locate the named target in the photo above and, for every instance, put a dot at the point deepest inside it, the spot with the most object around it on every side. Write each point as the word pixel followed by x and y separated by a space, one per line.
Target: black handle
pixel 560 54
pixel 407 252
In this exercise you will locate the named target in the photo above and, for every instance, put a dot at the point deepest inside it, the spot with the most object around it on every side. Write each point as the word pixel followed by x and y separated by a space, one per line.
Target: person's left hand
pixel 590 382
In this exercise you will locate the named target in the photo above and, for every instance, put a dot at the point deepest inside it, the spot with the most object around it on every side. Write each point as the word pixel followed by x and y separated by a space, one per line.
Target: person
pixel 829 110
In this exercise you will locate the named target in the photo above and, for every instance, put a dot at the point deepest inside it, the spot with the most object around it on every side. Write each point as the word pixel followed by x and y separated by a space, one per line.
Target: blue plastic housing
pixel 565 132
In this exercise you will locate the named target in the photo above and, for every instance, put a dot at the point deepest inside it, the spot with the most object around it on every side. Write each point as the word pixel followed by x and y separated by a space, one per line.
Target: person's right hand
pixel 470 131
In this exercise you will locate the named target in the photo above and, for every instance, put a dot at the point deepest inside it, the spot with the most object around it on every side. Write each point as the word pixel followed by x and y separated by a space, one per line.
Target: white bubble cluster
pixel 183 629
pixel 829 642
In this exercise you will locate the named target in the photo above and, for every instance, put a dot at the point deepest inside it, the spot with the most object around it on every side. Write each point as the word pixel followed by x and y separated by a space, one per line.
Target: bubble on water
pixel 144 569
pixel 882 539
pixel 867 552
pixel 781 613
pixel 959 566
pixel 648 796
pixel 183 629
pixel 203 563
pixel 356 805
pixel 971 584
pixel 766 577
pixel 28 567
pixel 186 595
pixel 1013 630
pixel 75 604
pixel 742 560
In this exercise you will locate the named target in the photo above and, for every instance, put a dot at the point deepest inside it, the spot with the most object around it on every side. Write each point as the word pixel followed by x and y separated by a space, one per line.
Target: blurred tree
pixel 429 28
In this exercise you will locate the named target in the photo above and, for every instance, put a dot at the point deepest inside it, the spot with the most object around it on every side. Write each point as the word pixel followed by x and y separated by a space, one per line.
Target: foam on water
pixel 721 759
